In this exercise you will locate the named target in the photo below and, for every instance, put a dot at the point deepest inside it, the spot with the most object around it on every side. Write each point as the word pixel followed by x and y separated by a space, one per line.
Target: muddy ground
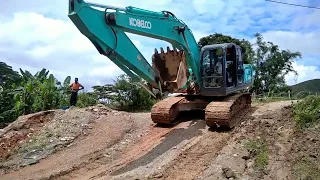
pixel 99 143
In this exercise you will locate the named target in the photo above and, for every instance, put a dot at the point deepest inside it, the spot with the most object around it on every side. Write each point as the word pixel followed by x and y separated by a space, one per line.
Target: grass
pixel 270 99
pixel 259 149
pixel 307 112
pixel 304 168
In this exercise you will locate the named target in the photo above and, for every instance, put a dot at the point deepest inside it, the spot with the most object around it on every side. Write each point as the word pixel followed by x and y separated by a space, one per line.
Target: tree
pixel 125 95
pixel 104 92
pixel 271 65
pixel 8 77
pixel 86 99
pixel 65 91
pixel 37 92
pixel 218 38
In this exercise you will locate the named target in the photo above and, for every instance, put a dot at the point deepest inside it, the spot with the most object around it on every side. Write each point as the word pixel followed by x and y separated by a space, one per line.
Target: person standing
pixel 75 87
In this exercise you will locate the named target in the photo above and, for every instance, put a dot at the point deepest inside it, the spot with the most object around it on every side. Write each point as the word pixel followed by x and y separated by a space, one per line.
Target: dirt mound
pixel 16 133
pixel 35 136
pixel 100 109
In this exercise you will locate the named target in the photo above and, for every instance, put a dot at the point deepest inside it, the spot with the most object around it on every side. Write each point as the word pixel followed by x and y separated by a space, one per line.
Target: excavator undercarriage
pixel 223 111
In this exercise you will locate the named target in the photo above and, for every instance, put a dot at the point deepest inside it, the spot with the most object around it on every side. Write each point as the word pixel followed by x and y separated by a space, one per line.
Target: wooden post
pixel 289 94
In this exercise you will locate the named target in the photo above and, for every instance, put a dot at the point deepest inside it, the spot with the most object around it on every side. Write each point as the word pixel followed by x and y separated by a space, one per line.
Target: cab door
pixel 213 68
pixel 239 67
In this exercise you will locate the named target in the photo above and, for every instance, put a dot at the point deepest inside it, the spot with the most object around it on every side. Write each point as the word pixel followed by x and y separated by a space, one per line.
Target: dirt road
pixel 130 146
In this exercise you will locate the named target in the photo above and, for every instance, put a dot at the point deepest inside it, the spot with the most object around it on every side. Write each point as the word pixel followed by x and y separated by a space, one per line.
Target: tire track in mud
pixel 147 157
pixel 100 167
pixel 191 163
pixel 172 139
pixel 196 159
pixel 184 152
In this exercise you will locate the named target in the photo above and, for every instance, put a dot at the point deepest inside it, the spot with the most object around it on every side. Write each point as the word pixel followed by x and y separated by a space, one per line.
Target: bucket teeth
pixel 161 50
pixel 173 51
pixel 168 49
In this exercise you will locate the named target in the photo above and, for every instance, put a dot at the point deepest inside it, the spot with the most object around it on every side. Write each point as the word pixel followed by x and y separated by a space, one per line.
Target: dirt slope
pixel 121 145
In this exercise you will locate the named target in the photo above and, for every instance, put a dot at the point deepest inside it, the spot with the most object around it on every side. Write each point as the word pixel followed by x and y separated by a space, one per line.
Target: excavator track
pixel 228 112
pixel 165 111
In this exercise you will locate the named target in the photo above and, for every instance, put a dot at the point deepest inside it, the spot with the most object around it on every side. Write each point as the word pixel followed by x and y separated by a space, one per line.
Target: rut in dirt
pixel 172 139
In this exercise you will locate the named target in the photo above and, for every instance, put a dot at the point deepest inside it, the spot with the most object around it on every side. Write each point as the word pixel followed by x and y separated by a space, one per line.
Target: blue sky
pixel 39 34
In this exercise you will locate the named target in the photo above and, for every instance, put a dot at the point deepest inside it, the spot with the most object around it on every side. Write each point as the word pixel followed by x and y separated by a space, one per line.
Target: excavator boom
pixel 209 78
pixel 107 28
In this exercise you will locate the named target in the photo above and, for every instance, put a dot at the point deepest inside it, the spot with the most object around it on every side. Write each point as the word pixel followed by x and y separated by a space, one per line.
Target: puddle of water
pixel 172 139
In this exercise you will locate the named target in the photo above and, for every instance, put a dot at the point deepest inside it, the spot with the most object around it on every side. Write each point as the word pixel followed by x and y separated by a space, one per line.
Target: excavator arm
pixel 177 70
pixel 106 26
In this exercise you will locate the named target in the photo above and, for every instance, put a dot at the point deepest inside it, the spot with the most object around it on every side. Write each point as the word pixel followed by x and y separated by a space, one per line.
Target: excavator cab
pixel 222 70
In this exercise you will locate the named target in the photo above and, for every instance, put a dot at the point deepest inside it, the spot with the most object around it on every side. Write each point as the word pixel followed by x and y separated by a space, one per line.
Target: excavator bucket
pixel 172 69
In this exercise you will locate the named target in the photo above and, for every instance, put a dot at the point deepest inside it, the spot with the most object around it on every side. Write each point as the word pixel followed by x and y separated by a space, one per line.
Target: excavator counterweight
pixel 213 78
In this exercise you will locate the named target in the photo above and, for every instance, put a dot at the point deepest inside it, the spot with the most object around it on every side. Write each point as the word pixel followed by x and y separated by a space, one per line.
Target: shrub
pixel 307 111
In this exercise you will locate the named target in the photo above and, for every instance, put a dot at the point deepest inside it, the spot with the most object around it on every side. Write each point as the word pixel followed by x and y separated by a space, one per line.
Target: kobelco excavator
pixel 213 78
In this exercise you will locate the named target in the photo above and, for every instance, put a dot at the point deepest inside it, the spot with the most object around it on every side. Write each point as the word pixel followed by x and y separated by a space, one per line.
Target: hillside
pixel 310 85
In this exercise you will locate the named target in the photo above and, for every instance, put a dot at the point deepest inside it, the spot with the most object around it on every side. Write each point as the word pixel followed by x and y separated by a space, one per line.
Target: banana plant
pixel 37 92
pixel 24 96
pixel 7 75
pixel 65 91
pixel 49 92
pixel 42 75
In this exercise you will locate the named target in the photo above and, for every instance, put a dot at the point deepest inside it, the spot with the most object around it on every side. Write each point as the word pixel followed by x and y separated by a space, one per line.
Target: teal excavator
pixel 213 78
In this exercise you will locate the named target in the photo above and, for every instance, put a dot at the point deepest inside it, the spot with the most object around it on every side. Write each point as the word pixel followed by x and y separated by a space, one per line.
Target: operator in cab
pixel 75 87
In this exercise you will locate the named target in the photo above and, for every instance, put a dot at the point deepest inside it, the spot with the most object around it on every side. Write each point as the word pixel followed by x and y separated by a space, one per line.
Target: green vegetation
pixel 218 38
pixel 310 86
pixel 259 150
pixel 86 99
pixel 307 111
pixel 125 95
pixel 24 93
pixel 306 169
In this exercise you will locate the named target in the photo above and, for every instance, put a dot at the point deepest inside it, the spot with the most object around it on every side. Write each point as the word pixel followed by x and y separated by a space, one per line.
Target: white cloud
pixel 38 34
pixel 41 51
pixel 108 71
pixel 306 43
pixel 304 73
pixel 32 27
pixel 205 7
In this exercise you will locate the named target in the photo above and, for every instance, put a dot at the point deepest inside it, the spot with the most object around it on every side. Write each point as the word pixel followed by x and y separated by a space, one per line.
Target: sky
pixel 38 34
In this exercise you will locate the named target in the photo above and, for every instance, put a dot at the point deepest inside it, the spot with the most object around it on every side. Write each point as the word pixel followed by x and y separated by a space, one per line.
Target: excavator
pixel 213 78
